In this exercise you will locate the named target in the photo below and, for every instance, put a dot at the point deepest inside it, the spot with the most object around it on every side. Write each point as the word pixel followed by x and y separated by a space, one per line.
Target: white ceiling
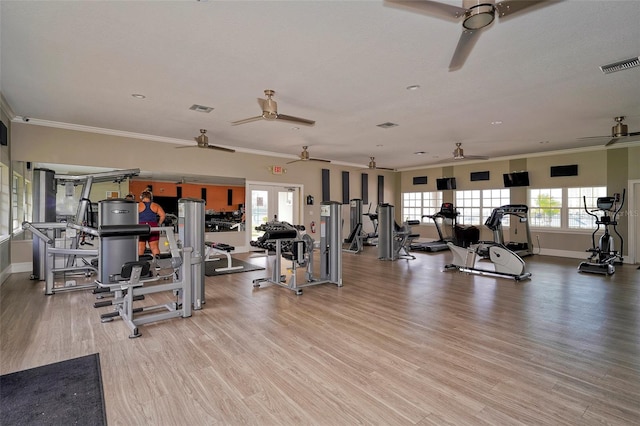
pixel 345 64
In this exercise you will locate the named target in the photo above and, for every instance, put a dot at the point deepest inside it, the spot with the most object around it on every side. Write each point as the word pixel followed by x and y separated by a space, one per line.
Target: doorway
pixel 269 202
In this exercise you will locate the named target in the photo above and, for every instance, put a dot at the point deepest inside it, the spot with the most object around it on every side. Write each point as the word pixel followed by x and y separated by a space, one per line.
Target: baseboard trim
pixel 21 267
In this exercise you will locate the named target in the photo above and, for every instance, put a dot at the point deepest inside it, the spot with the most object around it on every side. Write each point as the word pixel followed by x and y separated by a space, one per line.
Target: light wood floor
pixel 401 343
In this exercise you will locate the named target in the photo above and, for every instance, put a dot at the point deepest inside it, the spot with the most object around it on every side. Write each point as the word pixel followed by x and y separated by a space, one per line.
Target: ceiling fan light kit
pixel 478 15
pixel 620 129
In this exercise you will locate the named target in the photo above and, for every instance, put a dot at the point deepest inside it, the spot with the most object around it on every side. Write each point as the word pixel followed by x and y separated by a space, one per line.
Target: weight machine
pixel 57 245
pixel 604 256
pixel 394 240
pixel 300 252
pixel 371 238
pixel 135 279
pixel 356 237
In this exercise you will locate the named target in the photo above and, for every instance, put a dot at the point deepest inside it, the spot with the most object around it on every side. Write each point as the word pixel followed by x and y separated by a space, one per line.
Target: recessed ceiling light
pixel 138 96
pixel 419 152
pixel 496 123
pixel 379 145
pixel 543 142
pixel 387 125
pixel 295 128
pixel 413 87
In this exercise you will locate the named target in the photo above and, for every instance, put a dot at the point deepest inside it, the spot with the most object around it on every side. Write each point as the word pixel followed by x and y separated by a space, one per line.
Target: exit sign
pixel 277 170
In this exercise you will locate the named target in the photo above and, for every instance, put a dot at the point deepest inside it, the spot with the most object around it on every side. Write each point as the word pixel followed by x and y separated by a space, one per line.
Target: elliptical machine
pixel 604 256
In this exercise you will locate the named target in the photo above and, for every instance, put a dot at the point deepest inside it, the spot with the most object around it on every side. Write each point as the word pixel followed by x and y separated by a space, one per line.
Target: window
pixel 17 206
pixel 28 207
pixel 20 201
pixel 545 207
pixel 418 204
pixel 563 208
pixel 469 206
pixel 475 206
pixel 492 199
pixel 5 204
pixel 577 217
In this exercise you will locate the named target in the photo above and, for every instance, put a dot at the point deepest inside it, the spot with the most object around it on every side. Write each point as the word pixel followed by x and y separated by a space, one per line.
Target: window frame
pixel 566 207
pixel 426 202
pixel 483 203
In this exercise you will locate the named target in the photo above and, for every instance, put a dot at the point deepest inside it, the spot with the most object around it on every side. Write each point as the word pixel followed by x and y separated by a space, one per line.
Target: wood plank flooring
pixel 400 343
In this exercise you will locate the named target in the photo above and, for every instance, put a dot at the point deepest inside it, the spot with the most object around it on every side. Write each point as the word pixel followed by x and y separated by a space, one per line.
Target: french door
pixel 266 203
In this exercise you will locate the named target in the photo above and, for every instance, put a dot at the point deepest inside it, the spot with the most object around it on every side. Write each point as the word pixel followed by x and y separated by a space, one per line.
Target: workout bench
pixel 220 249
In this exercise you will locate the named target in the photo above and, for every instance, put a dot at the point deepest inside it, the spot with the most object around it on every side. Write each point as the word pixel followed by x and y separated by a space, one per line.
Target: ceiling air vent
pixel 201 108
pixel 386 125
pixel 620 66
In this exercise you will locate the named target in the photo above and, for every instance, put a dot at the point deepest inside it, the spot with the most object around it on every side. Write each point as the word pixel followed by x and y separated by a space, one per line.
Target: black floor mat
pixel 63 393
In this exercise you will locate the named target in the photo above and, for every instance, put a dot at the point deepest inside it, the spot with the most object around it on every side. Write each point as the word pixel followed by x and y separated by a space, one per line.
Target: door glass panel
pixel 285 206
pixel 259 211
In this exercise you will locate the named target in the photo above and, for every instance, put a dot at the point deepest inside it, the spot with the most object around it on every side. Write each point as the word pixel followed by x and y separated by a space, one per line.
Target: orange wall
pixel 216 195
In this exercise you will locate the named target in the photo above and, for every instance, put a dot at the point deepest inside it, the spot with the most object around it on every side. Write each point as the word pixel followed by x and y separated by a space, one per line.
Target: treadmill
pixel 447 211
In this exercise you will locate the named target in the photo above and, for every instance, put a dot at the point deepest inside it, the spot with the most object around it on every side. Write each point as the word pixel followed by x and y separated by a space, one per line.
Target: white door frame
pixel 633 206
pixel 250 185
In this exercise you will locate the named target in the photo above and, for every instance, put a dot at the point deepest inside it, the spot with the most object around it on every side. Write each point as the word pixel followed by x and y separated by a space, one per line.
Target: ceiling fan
pixel 203 142
pixel 374 166
pixel 458 154
pixel 184 181
pixel 476 15
pixel 270 112
pixel 304 156
pixel 619 131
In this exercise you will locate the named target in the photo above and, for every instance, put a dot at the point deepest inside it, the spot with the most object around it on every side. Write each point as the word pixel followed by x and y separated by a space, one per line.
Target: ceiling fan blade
pixel 186 146
pixel 310 159
pixel 430 7
pixel 475 157
pixel 221 148
pixel 594 137
pixel 246 120
pixel 612 141
pixel 509 7
pixel 468 39
pixel 296 120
